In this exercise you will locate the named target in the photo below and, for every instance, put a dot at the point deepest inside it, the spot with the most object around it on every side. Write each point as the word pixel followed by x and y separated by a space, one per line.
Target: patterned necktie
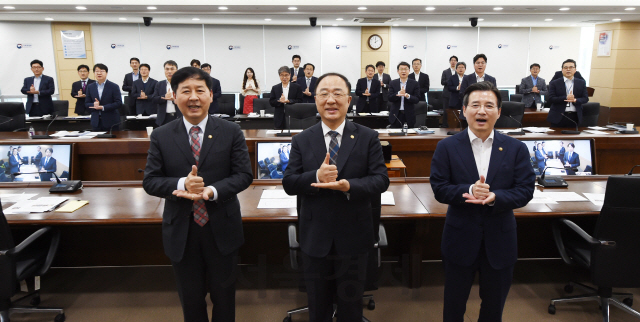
pixel 308 82
pixel 199 209
pixel 333 148
pixel 84 85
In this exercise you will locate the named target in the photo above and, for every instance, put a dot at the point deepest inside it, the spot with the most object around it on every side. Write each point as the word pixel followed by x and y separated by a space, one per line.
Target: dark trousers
pixel 369 107
pixel 566 123
pixel 36 110
pixel 335 279
pixel 204 269
pixel 101 127
pixel 382 104
pixel 494 287
pixel 403 119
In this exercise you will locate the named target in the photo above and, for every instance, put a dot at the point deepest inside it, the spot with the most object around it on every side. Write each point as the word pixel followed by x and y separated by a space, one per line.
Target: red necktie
pixel 199 209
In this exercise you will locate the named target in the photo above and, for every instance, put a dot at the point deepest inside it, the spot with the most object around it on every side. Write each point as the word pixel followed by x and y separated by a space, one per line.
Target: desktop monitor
pixel 562 157
pixel 272 159
pixel 34 160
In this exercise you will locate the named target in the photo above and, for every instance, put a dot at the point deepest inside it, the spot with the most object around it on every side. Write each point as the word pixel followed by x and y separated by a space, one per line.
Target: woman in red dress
pixel 250 90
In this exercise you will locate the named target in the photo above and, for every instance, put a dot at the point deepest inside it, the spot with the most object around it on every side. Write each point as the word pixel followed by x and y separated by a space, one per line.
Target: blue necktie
pixel 333 148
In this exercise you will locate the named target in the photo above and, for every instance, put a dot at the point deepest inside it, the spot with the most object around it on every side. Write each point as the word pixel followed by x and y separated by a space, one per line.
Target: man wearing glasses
pixel 38 89
pixel 567 94
pixel 336 169
pixel 403 93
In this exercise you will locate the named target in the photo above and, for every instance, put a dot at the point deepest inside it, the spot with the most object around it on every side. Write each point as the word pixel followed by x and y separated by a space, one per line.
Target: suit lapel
pixel 349 138
pixel 319 146
pixel 497 154
pixel 207 142
pixel 466 154
pixel 182 141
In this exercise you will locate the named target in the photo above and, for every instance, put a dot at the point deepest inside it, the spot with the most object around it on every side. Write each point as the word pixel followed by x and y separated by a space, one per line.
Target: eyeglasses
pixel 569 67
pixel 36 67
pixel 336 95
pixel 403 69
pixel 489 107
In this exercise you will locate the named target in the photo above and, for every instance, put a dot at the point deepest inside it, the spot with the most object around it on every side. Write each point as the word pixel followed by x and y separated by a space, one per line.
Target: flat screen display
pixel 272 159
pixel 33 161
pixel 562 157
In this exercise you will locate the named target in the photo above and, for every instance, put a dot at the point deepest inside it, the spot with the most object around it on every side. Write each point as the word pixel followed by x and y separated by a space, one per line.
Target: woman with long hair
pixel 250 90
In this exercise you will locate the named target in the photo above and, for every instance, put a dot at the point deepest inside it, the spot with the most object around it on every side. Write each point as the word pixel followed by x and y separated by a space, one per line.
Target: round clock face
pixel 375 42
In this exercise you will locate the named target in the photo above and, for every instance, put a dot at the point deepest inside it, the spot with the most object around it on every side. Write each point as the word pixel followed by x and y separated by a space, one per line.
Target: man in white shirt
pixel 420 77
pixel 38 89
pixel 284 93
pixel 446 74
pixel 127 83
pixel 295 71
pixel 163 96
pixel 567 95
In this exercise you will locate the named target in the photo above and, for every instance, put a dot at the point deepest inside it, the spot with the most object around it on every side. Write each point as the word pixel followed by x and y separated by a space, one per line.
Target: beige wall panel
pixel 603 62
pixel 629 26
pixel 602 78
pixel 602 96
pixel 625 97
pixel 626 79
pixel 627 59
pixel 628 39
pixel 375 30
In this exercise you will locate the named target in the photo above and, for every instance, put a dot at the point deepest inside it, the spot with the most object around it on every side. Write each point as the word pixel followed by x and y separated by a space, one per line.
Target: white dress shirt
pixel 568 83
pixel 380 79
pixel 202 125
pixel 135 76
pixel 327 138
pixel 453 71
pixel 402 85
pixel 36 85
pixel 101 88
pixel 369 87
pixel 285 91
pixel 417 75
pixel 171 108
pixel 253 91
pixel 481 154
pixel 479 79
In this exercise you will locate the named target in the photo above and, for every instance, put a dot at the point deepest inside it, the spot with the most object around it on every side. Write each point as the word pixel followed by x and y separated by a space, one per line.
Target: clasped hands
pixel 570 98
pixel 142 96
pixel 32 90
pixel 194 185
pixel 327 175
pixel 96 105
pixel 402 93
pixel 481 194
pixel 366 93
pixel 283 99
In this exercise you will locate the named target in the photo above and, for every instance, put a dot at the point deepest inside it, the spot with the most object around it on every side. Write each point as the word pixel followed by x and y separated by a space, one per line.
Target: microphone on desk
pixel 46 135
pixel 455 113
pixel 552 181
pixel 631 171
pixel 110 135
pixel 288 133
pixel 570 131
pixel 59 186
pixel 521 132
pixel 402 132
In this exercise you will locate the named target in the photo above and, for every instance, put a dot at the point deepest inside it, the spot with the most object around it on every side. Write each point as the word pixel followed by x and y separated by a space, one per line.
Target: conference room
pixel 108 262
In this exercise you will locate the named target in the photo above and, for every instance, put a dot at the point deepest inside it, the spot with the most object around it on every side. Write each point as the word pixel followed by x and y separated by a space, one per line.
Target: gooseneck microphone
pixel 288 133
pixel 46 135
pixel 570 131
pixel 402 132
pixel 454 132
pixel 521 132
pixel 110 135
pixel 631 171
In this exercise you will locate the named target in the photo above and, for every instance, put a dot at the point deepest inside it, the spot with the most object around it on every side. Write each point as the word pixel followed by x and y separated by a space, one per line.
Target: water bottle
pixel 405 128
pixel 32 131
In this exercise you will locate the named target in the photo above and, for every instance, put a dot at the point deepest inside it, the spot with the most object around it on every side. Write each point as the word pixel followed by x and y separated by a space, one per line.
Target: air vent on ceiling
pixel 374 20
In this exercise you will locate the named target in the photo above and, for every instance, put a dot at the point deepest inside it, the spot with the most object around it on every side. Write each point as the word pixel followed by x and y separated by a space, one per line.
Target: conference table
pixel 121 225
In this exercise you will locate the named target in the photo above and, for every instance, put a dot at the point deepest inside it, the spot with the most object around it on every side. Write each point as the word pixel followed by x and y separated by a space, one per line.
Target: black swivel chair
pixel 61 108
pixel 505 95
pixel 610 253
pixel 227 104
pixel 31 258
pixel 301 115
pixel 435 99
pixel 263 104
pixel 590 114
pixel 515 98
pixel 266 95
pixel 421 110
pixel 513 109
pixel 13 114
pixel 517 89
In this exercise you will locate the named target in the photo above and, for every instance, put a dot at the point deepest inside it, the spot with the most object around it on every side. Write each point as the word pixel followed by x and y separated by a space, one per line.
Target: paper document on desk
pixel 7 198
pixel 409 131
pixel 276 199
pixel 596 132
pixel 599 128
pixel 387 199
pixel 72 206
pixel 559 196
pixel 534 129
pixel 595 198
pixel 42 204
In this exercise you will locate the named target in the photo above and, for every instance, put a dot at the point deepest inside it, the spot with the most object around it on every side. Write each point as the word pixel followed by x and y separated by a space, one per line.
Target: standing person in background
pixel 281 94
pixel 79 90
pixel 142 92
pixel 420 77
pixel 453 87
pixel 38 157
pixel 532 87
pixel 163 96
pixel 215 86
pixel 403 93
pixel 367 90
pixel 295 71
pixel 38 89
pixel 127 84
pixel 196 63
pixel 250 90
pixel 446 74
pixel 567 94
pixel 480 66
pixel 308 84
pixel 48 165
pixel 103 100
pixel 384 80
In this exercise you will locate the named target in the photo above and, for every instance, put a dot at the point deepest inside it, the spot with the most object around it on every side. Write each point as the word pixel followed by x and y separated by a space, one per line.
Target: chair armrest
pixel 382 234
pixel 25 243
pixel 557 236
pixel 294 246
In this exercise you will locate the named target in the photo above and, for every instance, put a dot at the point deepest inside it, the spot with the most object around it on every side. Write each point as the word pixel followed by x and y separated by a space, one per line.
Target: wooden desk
pixel 533 117
pixel 396 167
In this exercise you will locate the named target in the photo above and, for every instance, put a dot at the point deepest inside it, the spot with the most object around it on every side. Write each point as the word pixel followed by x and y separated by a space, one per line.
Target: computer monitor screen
pixel 33 161
pixel 272 159
pixel 562 157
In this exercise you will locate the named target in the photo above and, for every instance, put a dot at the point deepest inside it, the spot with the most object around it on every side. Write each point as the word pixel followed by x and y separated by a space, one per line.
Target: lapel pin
pixel 210 136
pixel 500 148
pixel 352 136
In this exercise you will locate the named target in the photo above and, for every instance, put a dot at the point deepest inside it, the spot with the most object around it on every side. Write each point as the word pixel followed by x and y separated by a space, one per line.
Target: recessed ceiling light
pixel 195 19
pixel 515 25
pixel 267 19
pixel 497 8
pixel 456 25
pixel 480 19
pixel 617 19
pixel 362 8
pixel 151 8
pixel 565 9
pixel 11 7
pixel 222 8
pixel 293 8
pixel 49 19
pixel 335 25
pixel 410 19
pixel 81 8
pixel 395 24
pixel 430 8
pixel 123 19
pixel 626 9
pixel 339 19
pixel 548 19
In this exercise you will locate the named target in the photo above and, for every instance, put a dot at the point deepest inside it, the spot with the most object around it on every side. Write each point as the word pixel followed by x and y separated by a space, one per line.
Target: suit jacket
pixel 386 80
pixel 111 101
pixel 423 81
pixel 37 158
pixel 414 91
pixel 147 105
pixel 574 160
pixel 446 74
pixel 224 164
pixel 127 86
pixel 326 217
pixel 48 166
pixel 14 165
pixel 528 98
pixel 302 82
pixel 561 153
pixel 557 95
pixel 47 88
pixel 540 160
pixel 158 93
pixel 455 101
pixel 217 93
pixel 295 96
pixel 361 87
pixel 75 87
pixel 470 79
pixel 300 73
pixel 453 171
pixel 558 74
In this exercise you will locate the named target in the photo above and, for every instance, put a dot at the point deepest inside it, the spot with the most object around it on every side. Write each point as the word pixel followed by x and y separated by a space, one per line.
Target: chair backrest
pixel 266 95
pixel 505 95
pixel 354 102
pixel 590 91
pixel 435 98
pixel 619 221
pixel 518 89
pixel 263 104
pixel 301 115
pixel 590 113
pixel 227 104
pixel 515 98
pixel 421 113
pixel 241 98
pixel 61 108
pixel 605 113
pixel 8 282
pixel 513 109
pixel 15 111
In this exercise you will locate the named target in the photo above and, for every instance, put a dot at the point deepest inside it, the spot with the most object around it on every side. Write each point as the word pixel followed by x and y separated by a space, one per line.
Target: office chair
pixel 354 102
pixel 27 261
pixel 435 98
pixel 517 89
pixel 61 108
pixel 241 100
pixel 227 104
pixel 421 110
pixel 590 114
pixel 513 109
pixel 505 95
pixel 263 104
pixel 515 98
pixel 266 95
pixel 301 115
pixel 590 91
pixel 610 253
pixel 13 113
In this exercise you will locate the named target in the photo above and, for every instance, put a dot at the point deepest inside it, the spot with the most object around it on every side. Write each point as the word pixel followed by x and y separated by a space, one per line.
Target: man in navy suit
pixel 384 79
pixel 281 94
pixel 215 89
pixel 562 151
pixel 163 96
pixel 103 100
pixel 38 157
pixel 479 65
pixel 453 87
pixel 336 169
pixel 127 84
pixel 47 164
pixel 420 77
pixel 571 159
pixel 567 94
pixel 295 71
pixel 482 175
pixel 79 90
pixel 446 74
pixel 368 91
pixel 14 161
pixel 142 92
pixel 403 93
pixel 541 157
pixel 308 83
pixel 38 89
pixel 559 74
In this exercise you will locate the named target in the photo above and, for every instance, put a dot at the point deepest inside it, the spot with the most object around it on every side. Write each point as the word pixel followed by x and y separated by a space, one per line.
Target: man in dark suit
pixel 335 168
pixel 541 157
pixel 446 74
pixel 295 71
pixel 532 87
pixel 38 89
pixel 79 90
pixel 420 77
pixel 479 65
pixel 482 175
pixel 571 159
pixel 14 161
pixel 38 157
pixel 142 92
pixel 403 93
pixel 163 96
pixel 127 83
pixel 308 83
pixel 281 94
pixel 567 94
pixel 562 151
pixel 103 100
pixel 199 164
pixel 47 164
pixel 215 89
pixel 384 80
pixel 453 87
pixel 368 91
pixel 559 74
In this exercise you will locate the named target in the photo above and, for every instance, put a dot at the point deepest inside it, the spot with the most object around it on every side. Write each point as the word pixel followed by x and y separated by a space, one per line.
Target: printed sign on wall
pixel 604 43
pixel 73 43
